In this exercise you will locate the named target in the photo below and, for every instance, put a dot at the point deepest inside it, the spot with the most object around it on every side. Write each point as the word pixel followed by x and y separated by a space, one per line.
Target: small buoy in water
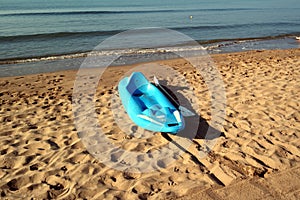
pixel 191 16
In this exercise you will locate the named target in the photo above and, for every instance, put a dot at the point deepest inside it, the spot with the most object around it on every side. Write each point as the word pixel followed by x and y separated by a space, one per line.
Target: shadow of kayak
pixel 196 127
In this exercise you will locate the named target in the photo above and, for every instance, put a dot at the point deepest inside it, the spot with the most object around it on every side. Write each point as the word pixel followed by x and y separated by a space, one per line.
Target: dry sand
pixel 256 156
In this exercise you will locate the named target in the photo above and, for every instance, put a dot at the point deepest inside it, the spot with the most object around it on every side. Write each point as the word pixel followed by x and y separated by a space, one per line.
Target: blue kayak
pixel 147 106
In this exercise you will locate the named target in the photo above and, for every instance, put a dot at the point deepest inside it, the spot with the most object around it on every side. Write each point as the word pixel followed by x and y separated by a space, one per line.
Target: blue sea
pixel 40 35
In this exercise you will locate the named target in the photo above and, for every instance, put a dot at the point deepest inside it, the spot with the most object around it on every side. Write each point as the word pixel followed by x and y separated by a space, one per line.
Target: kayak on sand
pixel 147 106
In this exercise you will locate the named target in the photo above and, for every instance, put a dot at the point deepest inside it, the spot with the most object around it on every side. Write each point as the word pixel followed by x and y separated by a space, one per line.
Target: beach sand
pixel 256 156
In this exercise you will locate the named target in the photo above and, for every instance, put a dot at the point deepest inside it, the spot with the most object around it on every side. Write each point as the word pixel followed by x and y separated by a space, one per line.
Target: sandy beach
pixel 256 156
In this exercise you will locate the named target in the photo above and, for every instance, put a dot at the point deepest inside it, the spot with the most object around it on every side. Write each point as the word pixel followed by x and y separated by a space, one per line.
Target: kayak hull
pixel 147 106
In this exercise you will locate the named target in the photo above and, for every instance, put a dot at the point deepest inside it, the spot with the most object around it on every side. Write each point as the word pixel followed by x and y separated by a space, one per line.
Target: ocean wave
pixel 30 37
pixel 97 12
pixel 233 26
pixel 119 52
pixel 40 36
pixel 209 45
pixel 240 40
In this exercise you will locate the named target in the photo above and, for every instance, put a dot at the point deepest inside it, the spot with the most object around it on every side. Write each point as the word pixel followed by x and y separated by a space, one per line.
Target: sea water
pixel 38 36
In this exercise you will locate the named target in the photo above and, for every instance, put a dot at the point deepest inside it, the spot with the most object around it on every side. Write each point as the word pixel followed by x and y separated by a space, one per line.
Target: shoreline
pixel 43 157
pixel 212 46
pixel 209 44
pixel 73 62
